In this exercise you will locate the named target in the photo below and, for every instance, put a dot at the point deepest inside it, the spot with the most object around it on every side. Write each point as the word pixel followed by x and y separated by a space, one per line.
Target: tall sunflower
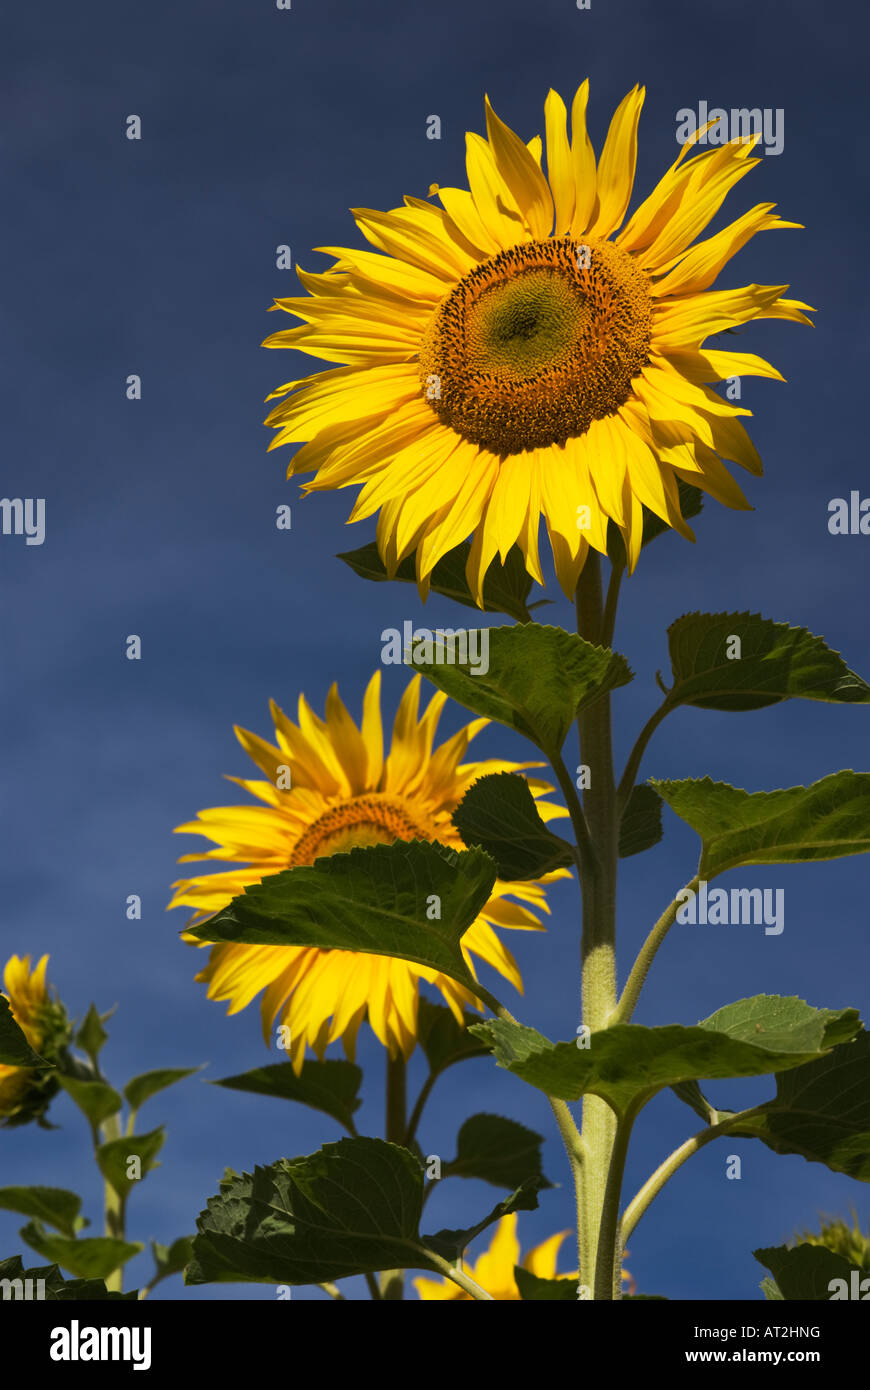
pixel 330 789
pixel 521 350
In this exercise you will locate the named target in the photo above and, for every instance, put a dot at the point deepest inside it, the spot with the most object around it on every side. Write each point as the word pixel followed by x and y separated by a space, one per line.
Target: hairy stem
pixel 598 888
pixel 115 1219
pixel 645 956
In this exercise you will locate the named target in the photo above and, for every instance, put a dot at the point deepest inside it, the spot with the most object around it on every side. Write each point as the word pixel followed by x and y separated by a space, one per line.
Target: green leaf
pixel 96 1099
pixel 531 1287
pixel 641 825
pixel 499 814
pixel 506 587
pixel 15 1050
pixel 375 900
pixel 822 1111
pixel 442 1039
pixel 776 662
pixel 803 1272
pixel 141 1088
pixel 351 1208
pixel 771 1290
pixel 627 1064
pixel 56 1288
pixel 171 1259
pixel 498 1151
pixel 450 1244
pixel 92 1036
pixel 94 1258
pixel 537 680
pixel 331 1086
pixel 52 1204
pixel 827 820
pixel 114 1158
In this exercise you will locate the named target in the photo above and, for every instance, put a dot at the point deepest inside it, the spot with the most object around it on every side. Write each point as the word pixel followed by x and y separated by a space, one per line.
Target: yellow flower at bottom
pixel 24 1091
pixel 494 1270
pixel 330 789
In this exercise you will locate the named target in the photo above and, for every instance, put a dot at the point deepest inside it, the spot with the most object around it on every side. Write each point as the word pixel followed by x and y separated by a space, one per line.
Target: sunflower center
pixel 536 343
pixel 356 824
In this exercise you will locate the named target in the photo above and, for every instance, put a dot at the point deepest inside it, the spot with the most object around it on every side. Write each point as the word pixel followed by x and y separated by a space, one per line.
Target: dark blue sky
pixel 157 257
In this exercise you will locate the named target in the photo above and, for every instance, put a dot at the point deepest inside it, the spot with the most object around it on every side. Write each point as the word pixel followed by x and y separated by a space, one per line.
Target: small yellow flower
pixel 25 1092
pixel 494 1270
pixel 330 789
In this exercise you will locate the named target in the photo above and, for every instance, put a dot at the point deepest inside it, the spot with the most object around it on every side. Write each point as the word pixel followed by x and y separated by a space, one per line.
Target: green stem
pixel 458 1276
pixel 645 956
pixel 392 1281
pixel 608 1267
pixel 576 1151
pixel 608 622
pixel 653 1186
pixel 417 1112
pixel 635 757
pixel 598 887
pixel 115 1221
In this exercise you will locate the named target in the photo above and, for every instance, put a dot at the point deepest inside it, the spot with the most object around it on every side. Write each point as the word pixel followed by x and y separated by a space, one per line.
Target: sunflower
pixel 25 1093
pixel 494 1270
pixel 330 789
pixel 522 350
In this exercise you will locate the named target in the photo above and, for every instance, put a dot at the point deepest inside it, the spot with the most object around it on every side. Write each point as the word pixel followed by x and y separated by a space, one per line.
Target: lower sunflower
pixel 25 1092
pixel 331 788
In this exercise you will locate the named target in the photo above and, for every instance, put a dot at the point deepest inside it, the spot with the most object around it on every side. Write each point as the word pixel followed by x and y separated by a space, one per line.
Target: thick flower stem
pixel 392 1281
pixel 115 1218
pixel 599 916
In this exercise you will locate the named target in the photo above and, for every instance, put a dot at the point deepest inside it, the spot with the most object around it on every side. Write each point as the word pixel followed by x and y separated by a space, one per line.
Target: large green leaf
pixel 496 1150
pixel 776 662
pixel 627 1064
pixel 15 1050
pixel 331 1085
pixel 506 587
pixel 114 1158
pixel 94 1258
pixel 55 1205
pixel 821 1111
pixel 376 900
pixel 142 1087
pixel 538 678
pixel 827 820
pixel 352 1208
pixel 499 814
pixel 802 1272
pixel 55 1287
